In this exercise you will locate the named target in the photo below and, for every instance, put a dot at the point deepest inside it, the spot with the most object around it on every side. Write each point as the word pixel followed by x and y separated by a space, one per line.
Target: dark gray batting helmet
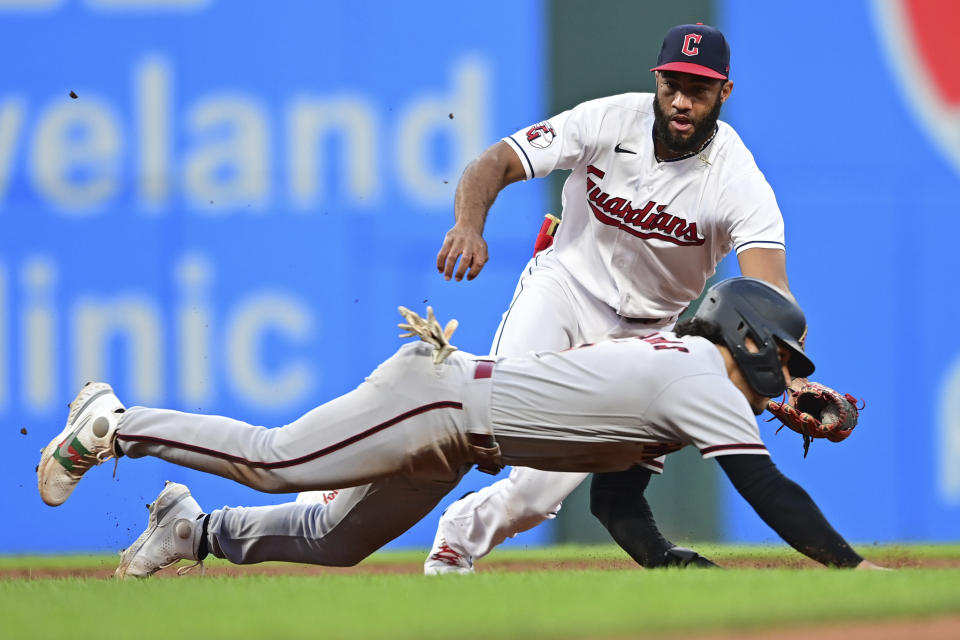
pixel 747 307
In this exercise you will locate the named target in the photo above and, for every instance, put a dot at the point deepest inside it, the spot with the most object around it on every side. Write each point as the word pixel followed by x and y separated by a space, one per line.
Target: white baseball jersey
pixel 655 394
pixel 639 239
pixel 643 235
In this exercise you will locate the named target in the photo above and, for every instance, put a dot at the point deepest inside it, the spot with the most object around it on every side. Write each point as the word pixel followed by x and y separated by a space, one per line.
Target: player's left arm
pixel 754 224
pixel 769 265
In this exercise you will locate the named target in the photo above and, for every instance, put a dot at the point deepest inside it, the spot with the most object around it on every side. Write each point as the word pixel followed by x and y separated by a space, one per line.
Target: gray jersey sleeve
pixel 707 411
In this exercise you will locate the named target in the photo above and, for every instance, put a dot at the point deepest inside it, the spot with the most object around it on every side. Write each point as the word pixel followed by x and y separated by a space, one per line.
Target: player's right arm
pixel 559 143
pixel 481 182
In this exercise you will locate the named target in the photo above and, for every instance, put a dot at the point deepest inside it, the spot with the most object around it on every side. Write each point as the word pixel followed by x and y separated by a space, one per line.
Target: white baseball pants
pixel 550 311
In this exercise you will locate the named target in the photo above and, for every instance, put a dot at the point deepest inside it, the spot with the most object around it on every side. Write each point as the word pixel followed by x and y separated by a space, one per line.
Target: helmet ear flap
pixel 760 367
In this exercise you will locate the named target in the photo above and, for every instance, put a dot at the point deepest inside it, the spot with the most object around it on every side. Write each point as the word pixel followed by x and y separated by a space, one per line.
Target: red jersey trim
pixel 732 447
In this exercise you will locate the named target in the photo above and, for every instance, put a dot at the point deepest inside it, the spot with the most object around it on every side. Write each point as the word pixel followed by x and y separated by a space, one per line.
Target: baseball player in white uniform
pixel 403 438
pixel 659 192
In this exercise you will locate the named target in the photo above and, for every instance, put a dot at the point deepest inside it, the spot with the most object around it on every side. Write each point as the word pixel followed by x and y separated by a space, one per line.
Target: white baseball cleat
pixel 172 535
pixel 86 441
pixel 446 558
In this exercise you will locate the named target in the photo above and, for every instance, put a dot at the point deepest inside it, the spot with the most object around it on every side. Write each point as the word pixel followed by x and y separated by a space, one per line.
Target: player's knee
pixel 528 511
pixel 345 558
pixel 602 498
pixel 270 482
pixel 525 506
pixel 337 557
pixel 615 491
pixel 600 506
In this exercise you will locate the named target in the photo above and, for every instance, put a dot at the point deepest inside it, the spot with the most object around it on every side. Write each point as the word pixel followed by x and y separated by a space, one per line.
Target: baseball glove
pixel 430 331
pixel 816 411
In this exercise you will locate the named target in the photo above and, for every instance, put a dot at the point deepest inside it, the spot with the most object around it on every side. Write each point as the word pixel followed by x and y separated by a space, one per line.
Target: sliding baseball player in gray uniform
pixel 403 438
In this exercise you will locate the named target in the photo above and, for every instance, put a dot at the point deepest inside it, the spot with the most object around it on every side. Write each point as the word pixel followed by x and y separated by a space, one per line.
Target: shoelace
pixel 182 571
pixel 447 555
pixel 84 463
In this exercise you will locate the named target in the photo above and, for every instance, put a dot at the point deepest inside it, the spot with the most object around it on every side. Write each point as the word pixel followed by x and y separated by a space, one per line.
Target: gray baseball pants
pixel 399 441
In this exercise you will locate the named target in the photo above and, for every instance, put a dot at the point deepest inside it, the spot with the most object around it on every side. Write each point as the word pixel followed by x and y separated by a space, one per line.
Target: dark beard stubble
pixel 702 129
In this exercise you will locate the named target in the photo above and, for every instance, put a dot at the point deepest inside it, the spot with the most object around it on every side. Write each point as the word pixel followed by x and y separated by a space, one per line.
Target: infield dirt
pixel 892 559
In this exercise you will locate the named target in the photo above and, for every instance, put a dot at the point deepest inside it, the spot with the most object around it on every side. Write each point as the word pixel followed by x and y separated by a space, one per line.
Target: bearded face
pixel 685 111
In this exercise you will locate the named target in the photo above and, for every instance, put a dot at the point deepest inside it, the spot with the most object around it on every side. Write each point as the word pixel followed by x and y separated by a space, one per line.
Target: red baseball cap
pixel 697 49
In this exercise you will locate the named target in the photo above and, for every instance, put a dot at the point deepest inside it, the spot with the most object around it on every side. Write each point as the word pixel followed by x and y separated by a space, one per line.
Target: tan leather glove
pixel 429 331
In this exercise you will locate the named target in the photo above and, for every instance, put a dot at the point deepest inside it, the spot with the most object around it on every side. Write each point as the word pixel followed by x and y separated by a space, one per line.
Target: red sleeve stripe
pixel 446 404
pixel 727 447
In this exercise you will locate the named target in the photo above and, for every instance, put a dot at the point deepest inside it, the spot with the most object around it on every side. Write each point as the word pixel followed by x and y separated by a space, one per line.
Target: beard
pixel 702 129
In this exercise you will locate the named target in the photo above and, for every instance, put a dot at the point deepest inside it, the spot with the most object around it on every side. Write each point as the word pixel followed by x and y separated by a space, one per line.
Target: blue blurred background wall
pixel 227 215
pixel 852 110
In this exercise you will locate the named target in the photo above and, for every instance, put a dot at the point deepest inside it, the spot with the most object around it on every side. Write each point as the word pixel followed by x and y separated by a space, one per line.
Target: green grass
pixel 537 604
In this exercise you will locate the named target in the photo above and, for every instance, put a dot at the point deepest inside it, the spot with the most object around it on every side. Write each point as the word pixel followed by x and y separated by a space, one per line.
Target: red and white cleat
pixel 446 558
pixel 86 441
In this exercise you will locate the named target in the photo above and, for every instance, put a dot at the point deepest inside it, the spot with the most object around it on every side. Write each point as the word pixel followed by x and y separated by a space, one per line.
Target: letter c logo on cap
pixel 688 41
